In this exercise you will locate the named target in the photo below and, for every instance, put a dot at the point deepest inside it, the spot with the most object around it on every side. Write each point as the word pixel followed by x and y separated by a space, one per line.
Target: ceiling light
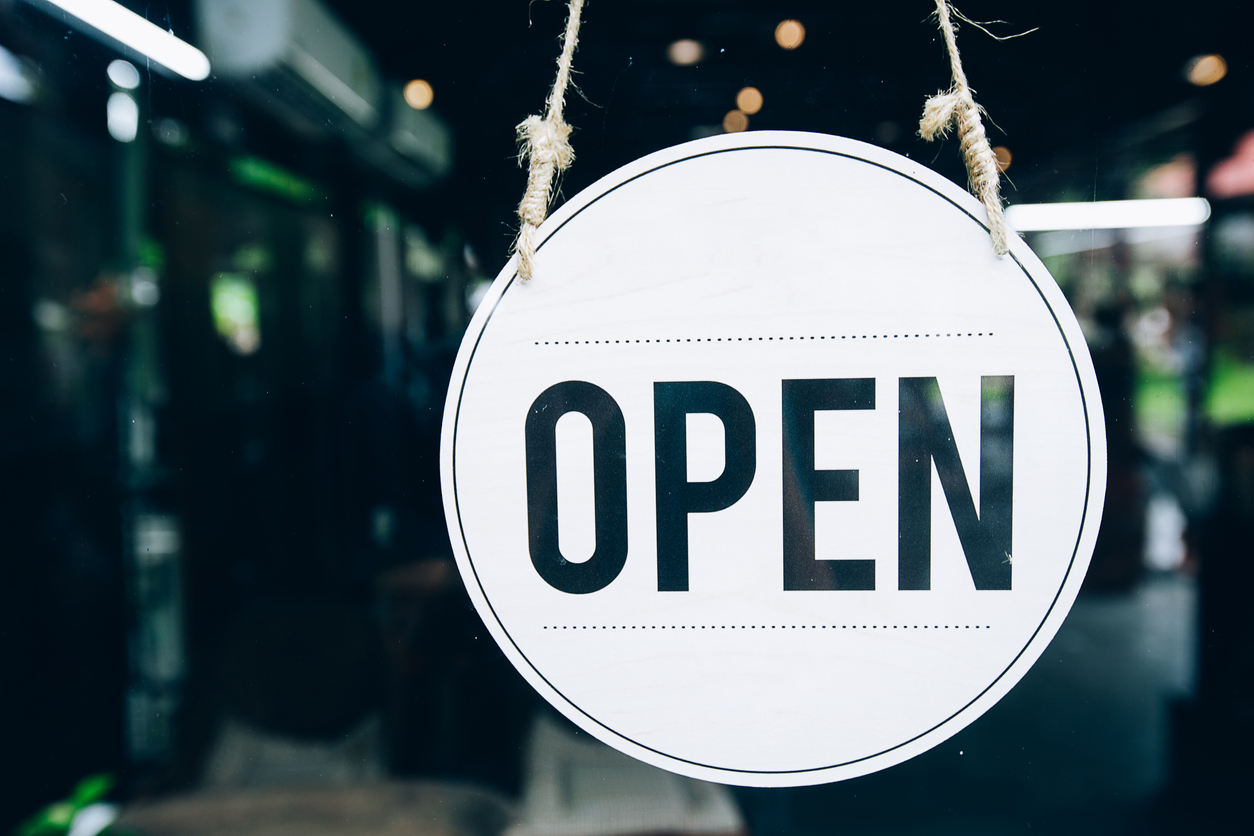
pixel 749 100
pixel 141 35
pixel 1108 214
pixel 790 34
pixel 685 53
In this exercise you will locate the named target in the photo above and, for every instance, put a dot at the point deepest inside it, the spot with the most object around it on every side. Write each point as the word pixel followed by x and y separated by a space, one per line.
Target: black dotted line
pixel 766 339
pixel 768 627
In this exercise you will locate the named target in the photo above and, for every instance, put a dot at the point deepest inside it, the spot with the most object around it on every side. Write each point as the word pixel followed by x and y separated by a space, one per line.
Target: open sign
pixel 925 440
pixel 775 474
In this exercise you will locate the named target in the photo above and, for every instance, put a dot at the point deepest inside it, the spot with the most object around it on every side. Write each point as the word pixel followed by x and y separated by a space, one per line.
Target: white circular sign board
pixel 775 474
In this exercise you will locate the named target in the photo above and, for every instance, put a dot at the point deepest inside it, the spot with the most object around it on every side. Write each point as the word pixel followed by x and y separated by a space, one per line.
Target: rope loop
pixel 546 150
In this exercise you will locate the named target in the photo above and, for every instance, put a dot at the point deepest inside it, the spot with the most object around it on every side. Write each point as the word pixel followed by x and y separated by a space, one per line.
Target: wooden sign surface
pixel 775 474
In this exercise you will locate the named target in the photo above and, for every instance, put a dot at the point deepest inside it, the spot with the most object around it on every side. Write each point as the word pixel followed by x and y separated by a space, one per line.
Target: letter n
pixel 925 437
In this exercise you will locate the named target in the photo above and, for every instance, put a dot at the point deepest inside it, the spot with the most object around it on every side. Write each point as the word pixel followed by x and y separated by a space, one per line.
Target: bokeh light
pixel 1004 157
pixel 1204 70
pixel 790 34
pixel 123 74
pixel 749 100
pixel 735 121
pixel 419 94
pixel 685 53
pixel 122 114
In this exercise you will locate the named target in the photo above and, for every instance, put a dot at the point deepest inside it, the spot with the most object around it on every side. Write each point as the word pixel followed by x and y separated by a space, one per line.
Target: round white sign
pixel 775 474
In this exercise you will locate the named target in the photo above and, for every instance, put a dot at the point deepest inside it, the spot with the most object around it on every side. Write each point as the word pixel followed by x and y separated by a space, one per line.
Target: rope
pixel 957 107
pixel 545 144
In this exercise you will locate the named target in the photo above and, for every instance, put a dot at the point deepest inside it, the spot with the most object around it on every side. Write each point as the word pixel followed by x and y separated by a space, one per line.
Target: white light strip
pixel 1109 214
pixel 141 35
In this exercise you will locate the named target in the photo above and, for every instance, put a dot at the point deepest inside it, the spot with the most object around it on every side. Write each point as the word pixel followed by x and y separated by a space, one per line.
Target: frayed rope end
pixel 938 115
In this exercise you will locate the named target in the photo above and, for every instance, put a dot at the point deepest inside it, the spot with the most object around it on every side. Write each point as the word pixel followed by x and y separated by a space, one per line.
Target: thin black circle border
pixel 723 769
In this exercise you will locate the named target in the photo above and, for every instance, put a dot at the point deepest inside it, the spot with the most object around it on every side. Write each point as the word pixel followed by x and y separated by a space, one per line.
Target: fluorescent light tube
pixel 1108 214
pixel 141 35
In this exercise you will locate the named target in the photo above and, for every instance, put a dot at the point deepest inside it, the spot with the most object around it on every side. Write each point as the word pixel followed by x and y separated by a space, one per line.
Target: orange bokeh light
pixel 735 121
pixel 790 34
pixel 419 94
pixel 749 100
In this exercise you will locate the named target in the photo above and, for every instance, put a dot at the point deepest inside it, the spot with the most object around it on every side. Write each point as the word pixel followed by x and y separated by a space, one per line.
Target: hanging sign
pixel 774 474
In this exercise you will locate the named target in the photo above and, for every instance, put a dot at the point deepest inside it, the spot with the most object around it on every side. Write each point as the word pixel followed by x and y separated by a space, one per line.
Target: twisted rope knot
pixel 945 111
pixel 956 108
pixel 546 142
pixel 544 146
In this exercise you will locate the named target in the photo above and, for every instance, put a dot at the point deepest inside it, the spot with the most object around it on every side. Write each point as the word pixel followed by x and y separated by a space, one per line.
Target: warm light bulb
pixel 790 34
pixel 419 94
pixel 749 100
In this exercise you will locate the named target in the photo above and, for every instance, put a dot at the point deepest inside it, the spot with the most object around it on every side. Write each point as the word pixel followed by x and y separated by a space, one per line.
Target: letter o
pixel 609 463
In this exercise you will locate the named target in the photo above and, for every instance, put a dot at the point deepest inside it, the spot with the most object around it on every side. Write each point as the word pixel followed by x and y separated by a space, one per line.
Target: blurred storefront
pixel 229 309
